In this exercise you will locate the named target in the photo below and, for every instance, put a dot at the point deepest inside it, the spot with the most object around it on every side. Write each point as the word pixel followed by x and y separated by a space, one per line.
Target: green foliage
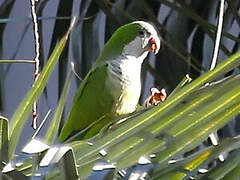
pixel 52 130
pixel 21 114
pixel 175 128
pixel 4 155
pixel 159 130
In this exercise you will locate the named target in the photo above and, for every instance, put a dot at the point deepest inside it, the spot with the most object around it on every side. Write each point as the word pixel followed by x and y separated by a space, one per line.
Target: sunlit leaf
pixel 21 114
pixel 4 156
pixel 53 129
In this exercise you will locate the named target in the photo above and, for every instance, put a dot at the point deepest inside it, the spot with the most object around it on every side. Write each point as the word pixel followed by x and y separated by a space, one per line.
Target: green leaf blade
pixel 21 114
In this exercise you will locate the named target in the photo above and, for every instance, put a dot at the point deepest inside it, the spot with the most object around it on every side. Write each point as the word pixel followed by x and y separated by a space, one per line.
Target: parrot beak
pixel 153 46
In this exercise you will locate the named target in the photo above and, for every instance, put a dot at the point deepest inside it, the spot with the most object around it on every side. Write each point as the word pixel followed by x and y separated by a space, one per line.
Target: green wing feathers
pixel 91 102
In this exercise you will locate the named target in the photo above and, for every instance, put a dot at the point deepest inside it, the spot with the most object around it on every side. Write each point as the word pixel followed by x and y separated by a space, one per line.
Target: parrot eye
pixel 141 33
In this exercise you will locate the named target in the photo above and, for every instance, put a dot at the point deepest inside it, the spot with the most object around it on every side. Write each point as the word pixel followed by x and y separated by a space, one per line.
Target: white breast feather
pixel 125 80
pixel 125 84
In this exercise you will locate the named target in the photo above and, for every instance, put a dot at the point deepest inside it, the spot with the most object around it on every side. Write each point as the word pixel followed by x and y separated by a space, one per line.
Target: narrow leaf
pixel 53 129
pixel 21 114
pixel 224 168
pixel 196 135
pixel 17 61
pixel 68 166
pixel 4 157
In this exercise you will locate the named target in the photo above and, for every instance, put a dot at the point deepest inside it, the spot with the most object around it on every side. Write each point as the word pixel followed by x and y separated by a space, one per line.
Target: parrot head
pixel 135 39
pixel 146 40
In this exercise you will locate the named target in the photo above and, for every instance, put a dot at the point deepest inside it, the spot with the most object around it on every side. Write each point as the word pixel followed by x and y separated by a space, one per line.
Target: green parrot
pixel 113 85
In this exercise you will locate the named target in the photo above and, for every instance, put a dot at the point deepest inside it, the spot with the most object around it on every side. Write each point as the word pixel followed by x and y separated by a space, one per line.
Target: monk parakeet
pixel 112 87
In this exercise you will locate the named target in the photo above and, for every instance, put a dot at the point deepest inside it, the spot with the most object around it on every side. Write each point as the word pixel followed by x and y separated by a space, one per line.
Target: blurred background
pixel 187 29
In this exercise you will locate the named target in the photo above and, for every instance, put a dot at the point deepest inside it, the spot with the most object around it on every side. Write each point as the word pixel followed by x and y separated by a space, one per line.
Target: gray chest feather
pixel 124 84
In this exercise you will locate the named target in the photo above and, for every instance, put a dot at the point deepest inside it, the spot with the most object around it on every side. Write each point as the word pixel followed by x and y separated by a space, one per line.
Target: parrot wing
pixel 92 101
